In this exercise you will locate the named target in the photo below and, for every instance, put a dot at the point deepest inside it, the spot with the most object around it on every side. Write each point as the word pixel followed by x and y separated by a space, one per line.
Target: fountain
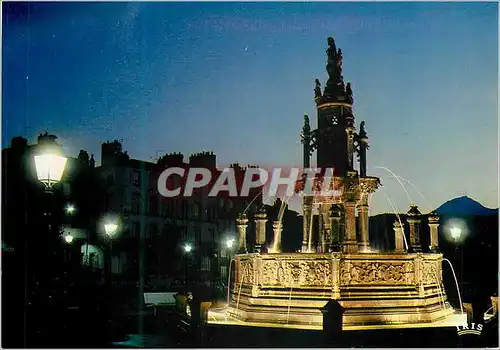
pixel 376 289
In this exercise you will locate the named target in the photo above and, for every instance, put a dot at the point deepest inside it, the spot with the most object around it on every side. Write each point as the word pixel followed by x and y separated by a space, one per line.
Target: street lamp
pixel 187 249
pixel 68 239
pixel 70 209
pixel 110 229
pixel 50 165
pixel 229 243
pixel 456 233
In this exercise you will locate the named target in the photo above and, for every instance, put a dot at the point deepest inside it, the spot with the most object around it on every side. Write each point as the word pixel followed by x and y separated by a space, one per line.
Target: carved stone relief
pixel 368 272
pixel 299 272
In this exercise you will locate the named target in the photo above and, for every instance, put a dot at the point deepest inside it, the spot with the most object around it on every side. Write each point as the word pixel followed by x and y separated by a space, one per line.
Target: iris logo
pixel 472 328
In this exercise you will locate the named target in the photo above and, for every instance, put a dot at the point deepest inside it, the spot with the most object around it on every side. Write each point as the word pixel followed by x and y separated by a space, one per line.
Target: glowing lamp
pixel 456 232
pixel 70 209
pixel 229 243
pixel 68 239
pixel 110 229
pixel 49 168
pixel 188 247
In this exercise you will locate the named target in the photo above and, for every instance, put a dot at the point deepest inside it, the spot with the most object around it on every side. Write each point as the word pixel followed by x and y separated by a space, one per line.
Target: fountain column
pixel 433 228
pixel 350 244
pixel 414 222
pixel 306 137
pixel 364 245
pixel 307 212
pixel 260 228
pixel 398 237
pixel 242 223
pixel 277 229
pixel 335 228
pixel 326 229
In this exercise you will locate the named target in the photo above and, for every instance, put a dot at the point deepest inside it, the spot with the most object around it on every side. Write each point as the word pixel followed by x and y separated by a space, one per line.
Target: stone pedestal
pixel 277 229
pixel 433 229
pixel 398 237
pixel 414 223
pixel 260 228
pixel 242 223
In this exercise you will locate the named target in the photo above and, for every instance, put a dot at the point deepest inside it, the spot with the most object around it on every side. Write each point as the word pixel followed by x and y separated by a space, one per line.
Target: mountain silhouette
pixel 464 206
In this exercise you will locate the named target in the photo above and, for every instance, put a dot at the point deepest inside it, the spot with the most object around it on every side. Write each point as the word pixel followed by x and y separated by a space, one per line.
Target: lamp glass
pixel 187 247
pixel 70 209
pixel 110 229
pixel 456 232
pixel 229 243
pixel 68 238
pixel 50 168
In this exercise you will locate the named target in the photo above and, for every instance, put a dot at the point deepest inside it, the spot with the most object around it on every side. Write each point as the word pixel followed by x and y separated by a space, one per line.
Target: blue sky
pixel 237 78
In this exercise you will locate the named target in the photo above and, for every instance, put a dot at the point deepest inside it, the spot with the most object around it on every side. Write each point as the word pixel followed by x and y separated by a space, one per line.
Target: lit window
pixel 223 271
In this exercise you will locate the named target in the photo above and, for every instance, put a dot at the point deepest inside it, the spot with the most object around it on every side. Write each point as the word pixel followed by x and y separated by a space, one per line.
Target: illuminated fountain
pixel 375 289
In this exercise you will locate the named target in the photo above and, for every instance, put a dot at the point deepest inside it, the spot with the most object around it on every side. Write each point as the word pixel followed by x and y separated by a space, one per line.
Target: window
pixel 205 263
pixel 67 189
pixel 135 177
pixel 136 202
pixel 153 205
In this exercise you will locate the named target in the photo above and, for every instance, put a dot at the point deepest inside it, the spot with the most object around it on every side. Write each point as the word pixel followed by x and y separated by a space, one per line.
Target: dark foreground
pixel 164 330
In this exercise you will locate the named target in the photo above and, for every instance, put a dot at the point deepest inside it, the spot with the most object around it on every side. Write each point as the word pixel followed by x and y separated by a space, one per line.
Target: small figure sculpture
pixel 340 57
pixel 348 92
pixel 331 52
pixel 317 89
pixel 362 131
pixel 307 126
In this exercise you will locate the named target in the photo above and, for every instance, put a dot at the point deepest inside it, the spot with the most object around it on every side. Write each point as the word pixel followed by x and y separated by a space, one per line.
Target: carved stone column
pixel 307 213
pixel 350 244
pixel 326 229
pixel 277 229
pixel 364 245
pixel 242 223
pixel 398 237
pixel 414 222
pixel 335 215
pixel 260 230
pixel 433 229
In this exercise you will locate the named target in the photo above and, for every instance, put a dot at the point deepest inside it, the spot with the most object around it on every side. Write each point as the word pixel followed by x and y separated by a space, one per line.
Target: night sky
pixel 237 78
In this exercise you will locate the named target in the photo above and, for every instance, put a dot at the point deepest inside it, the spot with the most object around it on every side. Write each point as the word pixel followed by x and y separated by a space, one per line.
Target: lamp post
pixel 456 234
pixel 187 249
pixel 110 228
pixel 229 246
pixel 70 209
pixel 68 239
pixel 49 166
